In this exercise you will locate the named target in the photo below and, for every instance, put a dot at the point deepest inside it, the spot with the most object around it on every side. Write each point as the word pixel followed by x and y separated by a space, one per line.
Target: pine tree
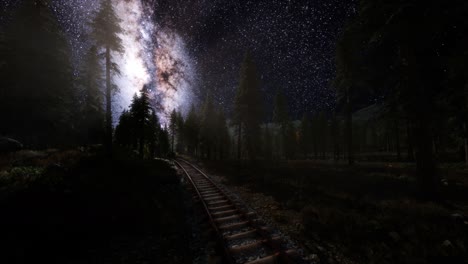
pixel 322 130
pixel 222 136
pixel 105 31
pixel 290 142
pixel 315 135
pixel 192 128
pixel 403 58
pixel 281 118
pixel 173 128
pixel 335 137
pixel 164 144
pixel 180 122
pixel 153 131
pixel 124 132
pixel 207 128
pixel 248 108
pixel 93 112
pixel 140 110
pixel 139 128
pixel 305 136
pixel 36 92
pixel 267 143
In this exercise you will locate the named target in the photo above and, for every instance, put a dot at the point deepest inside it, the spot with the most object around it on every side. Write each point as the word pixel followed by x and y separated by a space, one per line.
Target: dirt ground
pixel 368 213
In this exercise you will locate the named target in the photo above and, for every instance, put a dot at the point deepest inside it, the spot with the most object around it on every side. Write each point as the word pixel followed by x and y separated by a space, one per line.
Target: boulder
pixel 8 145
pixel 447 244
pixel 458 218
pixel 394 236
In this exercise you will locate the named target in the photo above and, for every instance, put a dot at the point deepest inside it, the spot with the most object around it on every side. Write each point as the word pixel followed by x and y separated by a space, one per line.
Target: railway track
pixel 243 236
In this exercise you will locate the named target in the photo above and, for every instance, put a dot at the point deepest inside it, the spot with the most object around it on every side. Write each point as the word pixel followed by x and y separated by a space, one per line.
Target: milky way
pixel 144 46
pixel 152 55
pixel 187 49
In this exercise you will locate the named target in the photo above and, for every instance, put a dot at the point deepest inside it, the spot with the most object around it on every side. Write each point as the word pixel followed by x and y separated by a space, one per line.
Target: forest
pixel 381 177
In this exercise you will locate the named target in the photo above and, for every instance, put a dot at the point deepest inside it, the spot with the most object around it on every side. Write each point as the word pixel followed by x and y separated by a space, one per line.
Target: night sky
pixel 188 49
pixel 292 42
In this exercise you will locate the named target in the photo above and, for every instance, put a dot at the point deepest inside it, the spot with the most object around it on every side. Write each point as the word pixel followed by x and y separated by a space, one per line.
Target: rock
pixel 447 244
pixel 313 257
pixel 458 218
pixel 394 236
pixel 444 182
pixel 8 145
pixel 403 177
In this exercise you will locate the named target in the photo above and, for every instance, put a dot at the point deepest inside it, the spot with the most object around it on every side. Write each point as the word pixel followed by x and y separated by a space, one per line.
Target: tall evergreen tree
pixel 305 136
pixel 281 118
pixel 173 128
pixel 139 128
pixel 153 131
pixel 335 137
pixel 164 144
pixel 36 86
pixel 93 112
pixel 222 136
pixel 141 110
pixel 105 31
pixel 248 108
pixel 290 142
pixel 192 128
pixel 124 132
pixel 280 109
pixel 267 143
pixel 395 48
pixel 180 122
pixel 315 134
pixel 322 130
pixel 207 128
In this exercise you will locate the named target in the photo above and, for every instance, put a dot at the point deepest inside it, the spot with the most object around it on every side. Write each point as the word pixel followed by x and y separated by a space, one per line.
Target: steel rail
pixel 212 223
pixel 278 253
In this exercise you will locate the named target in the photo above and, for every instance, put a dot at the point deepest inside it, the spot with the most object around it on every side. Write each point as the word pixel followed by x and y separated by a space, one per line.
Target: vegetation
pixel 408 49
pixel 106 30
pixel 366 213
pixel 81 207
pixel 354 173
pixel 26 92
pixel 139 129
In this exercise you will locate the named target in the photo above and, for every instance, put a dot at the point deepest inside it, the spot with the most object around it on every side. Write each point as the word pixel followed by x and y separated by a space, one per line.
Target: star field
pixel 292 42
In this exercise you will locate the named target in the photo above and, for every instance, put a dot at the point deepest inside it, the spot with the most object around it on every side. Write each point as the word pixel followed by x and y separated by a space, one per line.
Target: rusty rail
pixel 213 198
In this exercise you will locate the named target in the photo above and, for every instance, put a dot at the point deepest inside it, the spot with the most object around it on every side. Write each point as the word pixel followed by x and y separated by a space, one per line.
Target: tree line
pixel 413 57
pixel 409 59
pixel 401 95
pixel 204 132
pixel 139 129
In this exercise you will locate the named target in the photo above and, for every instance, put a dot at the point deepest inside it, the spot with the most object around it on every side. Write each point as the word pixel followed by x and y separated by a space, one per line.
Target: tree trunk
pixel 349 129
pixel 425 163
pixel 315 147
pixel 397 139
pixel 409 142
pixel 239 138
pixel 465 140
pixel 172 139
pixel 142 141
pixel 142 144
pixel 108 141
